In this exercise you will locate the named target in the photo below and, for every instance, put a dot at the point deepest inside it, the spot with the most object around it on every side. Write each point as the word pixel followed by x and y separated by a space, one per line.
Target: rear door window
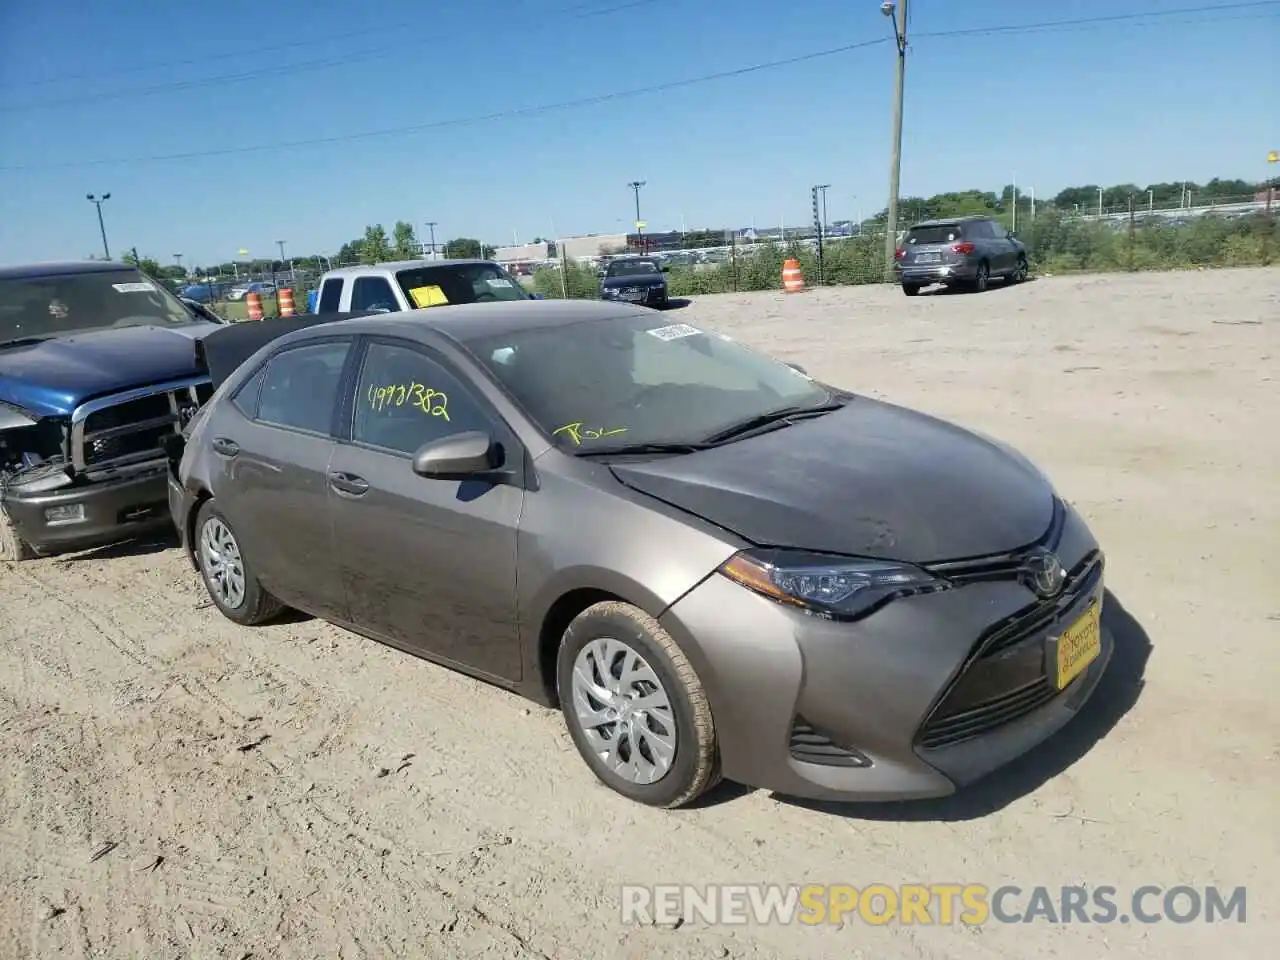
pixel 946 233
pixel 330 296
pixel 300 386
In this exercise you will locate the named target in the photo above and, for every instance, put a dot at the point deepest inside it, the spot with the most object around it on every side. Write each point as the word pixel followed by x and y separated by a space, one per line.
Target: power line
pixel 410 129
pixel 581 12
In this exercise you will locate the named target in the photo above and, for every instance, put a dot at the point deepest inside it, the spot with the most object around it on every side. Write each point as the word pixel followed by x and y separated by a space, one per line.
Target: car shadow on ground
pixel 142 546
pixel 677 303
pixel 1116 695
pixel 996 284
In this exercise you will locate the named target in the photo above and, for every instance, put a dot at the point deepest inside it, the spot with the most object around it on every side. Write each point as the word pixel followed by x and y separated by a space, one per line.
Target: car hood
pixel 52 377
pixel 636 280
pixel 871 480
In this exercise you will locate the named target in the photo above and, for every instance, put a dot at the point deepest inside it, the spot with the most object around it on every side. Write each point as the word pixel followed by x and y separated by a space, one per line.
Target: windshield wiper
pixel 641 448
pixel 771 420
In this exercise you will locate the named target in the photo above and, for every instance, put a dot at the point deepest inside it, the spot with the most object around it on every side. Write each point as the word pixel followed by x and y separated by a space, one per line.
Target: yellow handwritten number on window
pixel 577 432
pixel 434 402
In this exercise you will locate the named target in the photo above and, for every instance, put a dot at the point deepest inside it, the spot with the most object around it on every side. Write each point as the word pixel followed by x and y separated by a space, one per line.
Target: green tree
pixel 467 248
pixel 147 265
pixel 374 248
pixel 403 242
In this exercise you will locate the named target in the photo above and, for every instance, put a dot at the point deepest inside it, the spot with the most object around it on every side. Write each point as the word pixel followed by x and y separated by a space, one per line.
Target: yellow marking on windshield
pixel 428 296
pixel 577 432
pixel 434 402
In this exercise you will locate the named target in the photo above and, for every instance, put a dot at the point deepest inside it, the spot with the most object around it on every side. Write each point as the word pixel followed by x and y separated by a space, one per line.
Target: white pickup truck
pixel 416 284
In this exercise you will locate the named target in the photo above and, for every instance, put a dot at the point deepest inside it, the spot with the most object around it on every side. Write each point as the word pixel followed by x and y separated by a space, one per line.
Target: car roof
pixel 60 268
pixel 393 266
pixel 949 221
pixel 467 322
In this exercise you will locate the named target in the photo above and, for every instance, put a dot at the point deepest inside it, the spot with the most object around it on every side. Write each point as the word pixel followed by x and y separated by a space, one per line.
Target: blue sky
pixel 1194 96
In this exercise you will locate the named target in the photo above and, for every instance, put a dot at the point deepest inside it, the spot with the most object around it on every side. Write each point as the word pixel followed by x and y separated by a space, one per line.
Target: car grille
pixel 1004 678
pixel 130 428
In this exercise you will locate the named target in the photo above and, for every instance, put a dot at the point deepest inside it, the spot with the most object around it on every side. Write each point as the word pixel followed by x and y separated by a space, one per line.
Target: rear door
pixel 274 446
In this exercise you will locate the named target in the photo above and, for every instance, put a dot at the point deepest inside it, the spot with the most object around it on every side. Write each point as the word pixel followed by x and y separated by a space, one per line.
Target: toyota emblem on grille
pixel 1043 573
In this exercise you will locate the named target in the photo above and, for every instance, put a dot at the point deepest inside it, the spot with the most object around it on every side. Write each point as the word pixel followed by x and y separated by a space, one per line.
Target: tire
pixel 980 280
pixel 250 605
pixel 629 638
pixel 911 289
pixel 13 549
pixel 1019 274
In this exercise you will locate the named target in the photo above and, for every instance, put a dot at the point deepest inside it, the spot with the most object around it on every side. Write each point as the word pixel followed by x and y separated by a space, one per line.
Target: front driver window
pixel 404 400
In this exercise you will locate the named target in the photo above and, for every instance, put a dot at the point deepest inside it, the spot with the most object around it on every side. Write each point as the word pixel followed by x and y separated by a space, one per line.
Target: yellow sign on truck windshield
pixel 431 296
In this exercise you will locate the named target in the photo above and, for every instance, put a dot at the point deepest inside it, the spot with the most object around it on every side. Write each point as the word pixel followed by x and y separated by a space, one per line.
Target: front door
pixel 276 446
pixel 429 565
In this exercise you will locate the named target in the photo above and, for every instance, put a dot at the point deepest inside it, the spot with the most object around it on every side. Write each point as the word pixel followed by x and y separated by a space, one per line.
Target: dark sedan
pixel 641 280
pixel 714 564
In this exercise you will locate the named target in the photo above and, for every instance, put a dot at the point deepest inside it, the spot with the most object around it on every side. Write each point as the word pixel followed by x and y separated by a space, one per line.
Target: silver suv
pixel 967 251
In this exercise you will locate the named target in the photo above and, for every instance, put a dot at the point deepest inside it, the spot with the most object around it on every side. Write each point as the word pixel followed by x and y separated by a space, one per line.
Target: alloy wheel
pixel 624 711
pixel 223 567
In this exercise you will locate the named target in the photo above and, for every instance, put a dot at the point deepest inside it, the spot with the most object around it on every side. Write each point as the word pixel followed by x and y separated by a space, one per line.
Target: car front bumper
pixel 80 516
pixel 911 702
pixel 927 273
pixel 649 296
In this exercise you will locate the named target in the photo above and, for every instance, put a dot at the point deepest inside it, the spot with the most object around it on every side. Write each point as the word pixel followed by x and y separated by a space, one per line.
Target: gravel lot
pixel 297 791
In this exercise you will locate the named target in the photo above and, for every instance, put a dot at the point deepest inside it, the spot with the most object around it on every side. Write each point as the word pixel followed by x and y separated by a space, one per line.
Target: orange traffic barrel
pixel 284 303
pixel 253 304
pixel 792 278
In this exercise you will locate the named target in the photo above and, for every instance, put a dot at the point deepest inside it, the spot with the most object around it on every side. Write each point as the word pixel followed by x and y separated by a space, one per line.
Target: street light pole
pixel 283 262
pixel 431 225
pixel 635 185
pixel 98 202
pixel 177 257
pixel 897 12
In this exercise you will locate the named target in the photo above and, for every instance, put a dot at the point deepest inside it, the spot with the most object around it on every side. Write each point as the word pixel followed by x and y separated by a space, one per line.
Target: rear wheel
pixel 981 278
pixel 635 708
pixel 13 549
pixel 230 580
pixel 911 289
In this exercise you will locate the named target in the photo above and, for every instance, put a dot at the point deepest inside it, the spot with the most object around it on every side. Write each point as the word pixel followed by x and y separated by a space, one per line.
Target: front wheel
pixel 13 549
pixel 228 577
pixel 635 707
pixel 1019 274
pixel 911 289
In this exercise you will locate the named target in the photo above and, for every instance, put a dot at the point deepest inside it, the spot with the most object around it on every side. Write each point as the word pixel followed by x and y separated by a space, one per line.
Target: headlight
pixel 840 588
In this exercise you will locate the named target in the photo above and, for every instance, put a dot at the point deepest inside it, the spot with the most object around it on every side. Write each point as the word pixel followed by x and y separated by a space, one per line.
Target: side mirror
pixel 797 368
pixel 464 456
pixel 600 274
pixel 665 268
pixel 538 296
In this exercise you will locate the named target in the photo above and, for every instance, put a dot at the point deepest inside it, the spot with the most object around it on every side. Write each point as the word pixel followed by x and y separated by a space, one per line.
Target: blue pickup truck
pixel 98 367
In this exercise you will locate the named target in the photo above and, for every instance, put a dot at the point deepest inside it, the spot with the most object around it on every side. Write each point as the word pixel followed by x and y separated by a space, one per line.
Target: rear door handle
pixel 228 448
pixel 349 484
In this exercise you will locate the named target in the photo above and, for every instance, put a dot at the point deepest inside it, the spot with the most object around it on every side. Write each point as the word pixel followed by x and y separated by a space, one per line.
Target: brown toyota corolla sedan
pixel 713 564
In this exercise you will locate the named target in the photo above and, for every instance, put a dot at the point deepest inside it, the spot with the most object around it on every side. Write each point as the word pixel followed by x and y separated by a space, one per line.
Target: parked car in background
pixel 204 292
pixel 97 365
pixel 712 563
pixel 641 280
pixel 967 251
pixel 416 284
pixel 261 288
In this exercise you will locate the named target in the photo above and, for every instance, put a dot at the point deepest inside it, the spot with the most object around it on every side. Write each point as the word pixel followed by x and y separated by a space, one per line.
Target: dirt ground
pixel 297 791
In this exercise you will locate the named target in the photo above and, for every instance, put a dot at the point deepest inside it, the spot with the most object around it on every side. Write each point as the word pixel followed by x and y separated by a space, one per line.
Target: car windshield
pixel 56 306
pixel 458 283
pixel 628 380
pixel 945 233
pixel 631 268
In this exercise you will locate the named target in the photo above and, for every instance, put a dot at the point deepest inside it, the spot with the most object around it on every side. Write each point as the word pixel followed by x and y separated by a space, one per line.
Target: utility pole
pixel 431 225
pixel 819 193
pixel 178 259
pixel 897 12
pixel 98 202
pixel 635 186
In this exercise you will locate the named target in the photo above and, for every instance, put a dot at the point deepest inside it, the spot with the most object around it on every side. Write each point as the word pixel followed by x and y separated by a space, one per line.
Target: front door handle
pixel 349 484
pixel 228 448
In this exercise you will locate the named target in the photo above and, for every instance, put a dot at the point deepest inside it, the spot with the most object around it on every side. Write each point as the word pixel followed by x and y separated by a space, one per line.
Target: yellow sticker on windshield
pixel 577 432
pixel 431 296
